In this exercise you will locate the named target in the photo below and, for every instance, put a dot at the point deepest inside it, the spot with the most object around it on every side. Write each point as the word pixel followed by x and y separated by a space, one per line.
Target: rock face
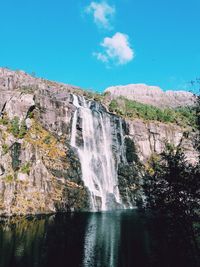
pixel 152 95
pixel 41 172
pixel 150 138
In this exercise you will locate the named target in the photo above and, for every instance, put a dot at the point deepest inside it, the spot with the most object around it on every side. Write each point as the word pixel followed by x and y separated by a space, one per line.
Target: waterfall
pixel 91 136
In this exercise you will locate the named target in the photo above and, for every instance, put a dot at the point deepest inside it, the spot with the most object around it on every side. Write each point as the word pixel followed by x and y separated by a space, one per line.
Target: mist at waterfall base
pixel 100 239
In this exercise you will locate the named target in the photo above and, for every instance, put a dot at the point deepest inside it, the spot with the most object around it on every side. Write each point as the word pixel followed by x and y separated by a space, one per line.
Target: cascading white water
pixel 99 170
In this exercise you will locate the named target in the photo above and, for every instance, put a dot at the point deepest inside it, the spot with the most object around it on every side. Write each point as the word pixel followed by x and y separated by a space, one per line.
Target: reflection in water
pixel 113 239
pixel 102 240
pixel 20 238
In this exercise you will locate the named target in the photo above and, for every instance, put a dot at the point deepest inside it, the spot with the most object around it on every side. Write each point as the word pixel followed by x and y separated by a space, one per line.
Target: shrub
pixel 171 186
pixel 16 129
pixel 27 89
pixel 9 178
pixel 113 106
pixel 31 115
pixel 5 148
pixel 14 126
pixel 25 168
pixel 22 130
pixel 4 120
pixel 47 139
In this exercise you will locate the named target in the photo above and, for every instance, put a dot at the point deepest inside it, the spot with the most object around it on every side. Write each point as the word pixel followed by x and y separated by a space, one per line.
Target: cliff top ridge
pixel 152 95
pixel 13 80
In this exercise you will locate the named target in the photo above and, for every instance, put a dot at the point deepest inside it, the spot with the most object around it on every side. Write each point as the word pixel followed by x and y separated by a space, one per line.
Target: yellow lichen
pixel 41 138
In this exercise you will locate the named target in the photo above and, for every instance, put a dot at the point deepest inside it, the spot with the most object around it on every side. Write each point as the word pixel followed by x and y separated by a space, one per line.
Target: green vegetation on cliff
pixel 124 107
pixel 14 126
pixel 121 106
pixel 182 116
pixel 25 168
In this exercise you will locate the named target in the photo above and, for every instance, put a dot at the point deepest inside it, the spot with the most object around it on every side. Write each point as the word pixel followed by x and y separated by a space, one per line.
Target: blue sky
pixel 96 44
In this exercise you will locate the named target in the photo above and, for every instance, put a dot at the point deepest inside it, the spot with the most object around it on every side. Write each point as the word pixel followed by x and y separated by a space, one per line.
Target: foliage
pixel 31 115
pixel 171 186
pixel 5 148
pixel 22 130
pixel 9 178
pixel 44 141
pixel 183 116
pixel 14 126
pixel 174 185
pixel 17 129
pixel 196 84
pixel 27 89
pixel 4 120
pixel 25 168
pixel 47 139
pixel 113 106
pixel 92 95
pixel 15 155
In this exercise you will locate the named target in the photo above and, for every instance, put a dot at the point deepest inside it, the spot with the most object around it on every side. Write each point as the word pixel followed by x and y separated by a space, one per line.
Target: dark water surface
pixel 111 239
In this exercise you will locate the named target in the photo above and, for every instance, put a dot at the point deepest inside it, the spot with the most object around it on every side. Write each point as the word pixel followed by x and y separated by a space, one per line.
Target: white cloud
pixel 101 57
pixel 116 50
pixel 102 12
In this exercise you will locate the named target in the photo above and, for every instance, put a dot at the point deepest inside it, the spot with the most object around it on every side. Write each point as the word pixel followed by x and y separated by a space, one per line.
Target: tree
pixel 172 189
pixel 173 186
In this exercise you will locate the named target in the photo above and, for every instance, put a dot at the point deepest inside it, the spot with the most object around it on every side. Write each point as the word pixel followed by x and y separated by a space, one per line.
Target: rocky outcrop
pixel 39 170
pixel 152 95
pixel 151 137
pixel 39 174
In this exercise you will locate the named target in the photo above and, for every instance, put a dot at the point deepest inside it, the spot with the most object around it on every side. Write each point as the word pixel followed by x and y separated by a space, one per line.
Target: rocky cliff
pixel 40 170
pixel 151 137
pixel 152 95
